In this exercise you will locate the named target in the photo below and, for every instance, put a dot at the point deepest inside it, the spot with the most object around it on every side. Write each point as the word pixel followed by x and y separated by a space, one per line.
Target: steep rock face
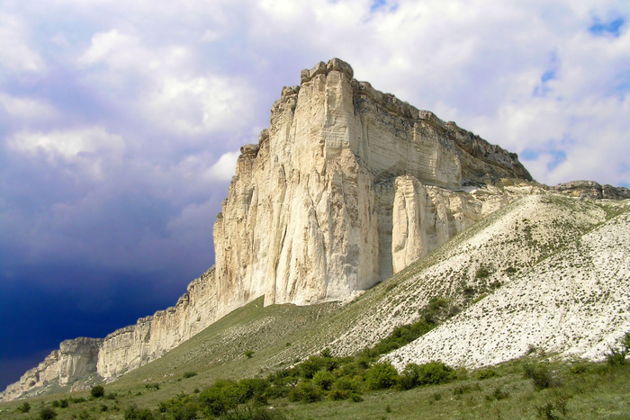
pixel 346 186
pixel 425 217
pixel 310 213
pixel 130 347
pixel 75 358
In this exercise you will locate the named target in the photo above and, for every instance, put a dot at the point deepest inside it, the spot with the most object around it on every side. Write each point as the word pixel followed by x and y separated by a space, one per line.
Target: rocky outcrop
pixel 310 213
pixel 592 190
pixel 347 186
pixel 75 359
pixel 131 347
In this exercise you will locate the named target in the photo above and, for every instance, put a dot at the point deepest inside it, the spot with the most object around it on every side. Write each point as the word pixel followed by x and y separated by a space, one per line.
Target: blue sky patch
pixel 548 75
pixel 557 156
pixel 613 27
pixel 382 5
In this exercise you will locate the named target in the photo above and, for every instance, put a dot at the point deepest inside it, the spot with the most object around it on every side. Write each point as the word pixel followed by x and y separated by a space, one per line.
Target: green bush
pixel 254 389
pixel 249 412
pixel 540 374
pixel 617 357
pixel 429 316
pixel 313 364
pixel 97 391
pixel 47 413
pixel 482 273
pixel 347 384
pixel 189 374
pixel 221 397
pixel 498 394
pixel 305 391
pixel 324 379
pixel 182 407
pixel 135 413
pixel 482 374
pixel 431 373
pixel 184 410
pixel 339 394
pixel 381 376
pixel 554 409
pixel 579 368
pixel 249 354
pixel 24 407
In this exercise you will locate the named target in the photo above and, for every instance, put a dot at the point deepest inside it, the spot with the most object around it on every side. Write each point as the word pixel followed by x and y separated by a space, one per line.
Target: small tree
pixel 381 376
pixel 324 379
pixel 24 407
pixel 47 413
pixel 97 391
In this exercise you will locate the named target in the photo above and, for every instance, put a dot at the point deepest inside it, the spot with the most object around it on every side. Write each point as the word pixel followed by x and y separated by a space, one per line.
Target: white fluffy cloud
pixel 69 144
pixel 25 109
pixel 16 54
pixel 82 149
pixel 181 84
pixel 223 168
pixel 165 85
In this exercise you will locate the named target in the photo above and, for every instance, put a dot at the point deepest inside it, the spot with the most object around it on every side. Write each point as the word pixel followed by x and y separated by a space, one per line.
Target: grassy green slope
pixel 280 335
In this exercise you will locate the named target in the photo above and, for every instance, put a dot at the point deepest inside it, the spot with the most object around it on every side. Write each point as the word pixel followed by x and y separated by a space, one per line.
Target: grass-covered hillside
pixel 269 347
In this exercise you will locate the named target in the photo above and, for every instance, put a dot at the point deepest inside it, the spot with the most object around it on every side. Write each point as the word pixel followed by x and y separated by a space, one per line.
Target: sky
pixel 121 121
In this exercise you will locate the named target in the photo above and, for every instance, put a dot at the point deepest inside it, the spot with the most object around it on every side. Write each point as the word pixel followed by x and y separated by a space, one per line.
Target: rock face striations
pixel 333 200
pixel 347 186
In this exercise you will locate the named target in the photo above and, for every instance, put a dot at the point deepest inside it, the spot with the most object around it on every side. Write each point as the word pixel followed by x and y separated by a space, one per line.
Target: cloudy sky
pixel 120 123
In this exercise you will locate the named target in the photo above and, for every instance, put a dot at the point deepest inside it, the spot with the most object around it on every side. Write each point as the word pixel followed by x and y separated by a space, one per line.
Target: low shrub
pixel 431 373
pixel 381 376
pixel 482 273
pixel 554 409
pixel 97 391
pixel 499 394
pixel 135 413
pixel 482 374
pixel 314 364
pixel 221 397
pixel 324 379
pixel 249 412
pixel 540 374
pixel 578 368
pixel 305 391
pixel 187 375
pixel 347 384
pixel 47 413
pixel 24 407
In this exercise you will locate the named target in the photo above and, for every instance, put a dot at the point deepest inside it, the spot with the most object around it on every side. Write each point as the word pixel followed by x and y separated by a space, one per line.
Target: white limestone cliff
pixel 74 359
pixel 347 186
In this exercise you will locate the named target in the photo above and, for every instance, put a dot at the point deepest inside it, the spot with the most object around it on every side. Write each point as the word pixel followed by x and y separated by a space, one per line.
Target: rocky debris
pixel 592 190
pixel 533 238
pixel 573 304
